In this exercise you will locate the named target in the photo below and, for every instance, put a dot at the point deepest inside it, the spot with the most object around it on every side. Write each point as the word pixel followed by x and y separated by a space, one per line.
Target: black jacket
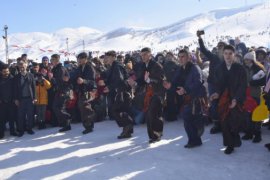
pixel 6 89
pixel 234 80
pixel 116 77
pixel 170 67
pixel 18 87
pixel 156 75
pixel 88 74
pixel 215 61
pixel 59 72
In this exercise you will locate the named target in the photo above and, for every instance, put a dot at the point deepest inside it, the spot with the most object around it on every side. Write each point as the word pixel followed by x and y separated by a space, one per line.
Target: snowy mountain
pixel 250 23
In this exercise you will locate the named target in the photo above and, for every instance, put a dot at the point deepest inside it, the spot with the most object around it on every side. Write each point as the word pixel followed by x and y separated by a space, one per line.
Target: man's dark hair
pixel 183 51
pixel 229 47
pixel 146 49
pixel 82 55
pixel 55 56
pixel 34 64
pixel 119 56
pixel 4 66
pixel 110 53
pixel 23 55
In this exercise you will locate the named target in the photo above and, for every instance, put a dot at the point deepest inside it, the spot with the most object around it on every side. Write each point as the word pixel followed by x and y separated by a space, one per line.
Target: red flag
pixel 42 50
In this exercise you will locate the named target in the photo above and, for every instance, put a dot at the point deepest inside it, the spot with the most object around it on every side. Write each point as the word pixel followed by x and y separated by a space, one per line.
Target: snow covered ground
pixel 99 155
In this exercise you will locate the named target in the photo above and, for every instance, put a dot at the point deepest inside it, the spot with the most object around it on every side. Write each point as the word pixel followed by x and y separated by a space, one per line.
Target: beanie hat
pixel 45 58
pixel 251 56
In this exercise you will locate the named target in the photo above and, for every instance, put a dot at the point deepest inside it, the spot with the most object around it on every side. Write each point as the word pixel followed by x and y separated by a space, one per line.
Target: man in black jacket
pixel 63 92
pixel 118 89
pixel 231 89
pixel 215 60
pixel 170 67
pixel 85 83
pixel 154 100
pixel 25 97
pixel 7 106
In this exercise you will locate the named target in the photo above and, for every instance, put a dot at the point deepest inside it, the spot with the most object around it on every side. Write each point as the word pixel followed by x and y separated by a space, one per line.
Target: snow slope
pixel 99 155
pixel 251 23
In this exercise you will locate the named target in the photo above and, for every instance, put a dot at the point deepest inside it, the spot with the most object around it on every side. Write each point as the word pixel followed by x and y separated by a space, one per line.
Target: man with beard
pixel 215 59
pixel 154 98
pixel 25 97
pixel 7 106
pixel 231 91
pixel 119 93
pixel 188 84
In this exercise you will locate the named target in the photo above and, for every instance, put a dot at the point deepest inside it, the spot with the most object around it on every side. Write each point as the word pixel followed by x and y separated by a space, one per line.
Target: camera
pixel 200 32
pixel 39 77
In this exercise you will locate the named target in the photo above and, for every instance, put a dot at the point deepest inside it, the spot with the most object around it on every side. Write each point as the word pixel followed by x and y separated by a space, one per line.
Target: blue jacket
pixel 191 80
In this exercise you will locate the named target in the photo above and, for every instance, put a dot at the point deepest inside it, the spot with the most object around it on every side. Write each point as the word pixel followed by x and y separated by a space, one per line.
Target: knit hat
pixel 251 56
pixel 45 58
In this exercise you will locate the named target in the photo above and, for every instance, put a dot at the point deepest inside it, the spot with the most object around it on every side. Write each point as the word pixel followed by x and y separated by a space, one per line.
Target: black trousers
pixel 51 97
pixel 171 110
pixel 87 114
pixel 121 109
pixel 192 124
pixel 251 127
pixel 7 114
pixel 154 118
pixel 25 114
pixel 231 127
pixel 60 110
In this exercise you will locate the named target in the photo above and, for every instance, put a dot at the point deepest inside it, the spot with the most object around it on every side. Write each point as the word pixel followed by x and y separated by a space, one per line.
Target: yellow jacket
pixel 42 92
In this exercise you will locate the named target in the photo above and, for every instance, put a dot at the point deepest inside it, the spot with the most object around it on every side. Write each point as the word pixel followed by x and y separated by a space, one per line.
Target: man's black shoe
pixel 86 131
pixel 30 131
pixel 67 128
pixel 229 150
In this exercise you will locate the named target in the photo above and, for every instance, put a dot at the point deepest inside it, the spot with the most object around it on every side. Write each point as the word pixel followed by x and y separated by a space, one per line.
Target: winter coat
pixel 156 75
pixel 57 81
pixel 88 75
pixel 18 87
pixel 6 89
pixel 191 80
pixel 170 68
pixel 116 77
pixel 214 62
pixel 42 92
pixel 234 80
pixel 255 85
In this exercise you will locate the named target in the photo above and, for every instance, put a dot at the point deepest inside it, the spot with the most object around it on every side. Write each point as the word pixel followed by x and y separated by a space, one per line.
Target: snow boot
pixel 127 131
pixel 66 128
pixel 229 150
pixel 88 130
pixel 257 138
pixel 247 136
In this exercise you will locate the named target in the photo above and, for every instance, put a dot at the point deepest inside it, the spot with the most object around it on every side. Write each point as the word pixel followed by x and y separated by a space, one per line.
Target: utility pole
pixel 67 48
pixel 83 46
pixel 67 45
pixel 6 42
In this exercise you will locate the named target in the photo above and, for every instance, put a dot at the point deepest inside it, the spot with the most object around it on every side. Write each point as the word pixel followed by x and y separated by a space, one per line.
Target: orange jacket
pixel 42 93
